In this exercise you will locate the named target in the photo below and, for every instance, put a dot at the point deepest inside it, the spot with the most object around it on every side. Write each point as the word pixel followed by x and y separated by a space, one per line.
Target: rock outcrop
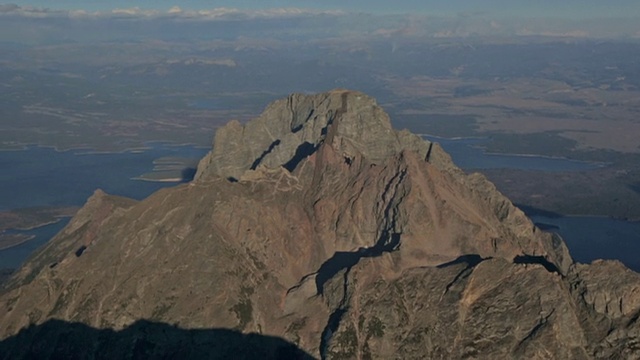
pixel 320 224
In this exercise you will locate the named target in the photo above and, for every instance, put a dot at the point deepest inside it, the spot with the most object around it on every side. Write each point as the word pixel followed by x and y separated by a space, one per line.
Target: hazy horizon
pixel 572 9
pixel 37 22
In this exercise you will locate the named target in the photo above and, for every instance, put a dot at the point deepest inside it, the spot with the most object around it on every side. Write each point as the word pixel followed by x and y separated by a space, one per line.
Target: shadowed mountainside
pixel 143 339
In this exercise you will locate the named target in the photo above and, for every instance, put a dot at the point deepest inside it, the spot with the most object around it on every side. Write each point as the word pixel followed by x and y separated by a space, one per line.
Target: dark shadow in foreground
pixel 342 260
pixel 472 260
pixel 57 339
pixel 540 260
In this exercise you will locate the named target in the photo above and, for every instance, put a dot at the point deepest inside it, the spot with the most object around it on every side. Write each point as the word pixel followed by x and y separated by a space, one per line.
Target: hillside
pixel 326 233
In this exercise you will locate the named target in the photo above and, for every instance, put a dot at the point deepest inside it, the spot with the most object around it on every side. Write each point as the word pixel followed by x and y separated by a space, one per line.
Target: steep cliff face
pixel 340 148
pixel 320 224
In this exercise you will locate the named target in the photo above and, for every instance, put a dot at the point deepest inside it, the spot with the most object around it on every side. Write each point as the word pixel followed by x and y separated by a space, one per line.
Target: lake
pixel 45 177
pixel 592 237
pixel 467 154
pixel 13 257
pixel 41 176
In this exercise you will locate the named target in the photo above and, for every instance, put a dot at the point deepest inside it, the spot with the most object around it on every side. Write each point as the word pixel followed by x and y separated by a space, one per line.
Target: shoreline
pixel 629 220
pixel 598 163
pixel 92 151
pixel 423 135
pixel 559 216
pixel 39 225
pixel 50 220
pixel 490 153
pixel 23 239
pixel 166 180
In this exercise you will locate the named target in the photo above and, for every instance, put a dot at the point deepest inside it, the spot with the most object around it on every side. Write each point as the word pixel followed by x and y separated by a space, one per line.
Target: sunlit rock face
pixel 320 226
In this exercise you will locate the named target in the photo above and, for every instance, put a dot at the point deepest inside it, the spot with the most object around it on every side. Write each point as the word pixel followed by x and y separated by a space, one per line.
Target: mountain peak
pixel 293 128
pixel 337 234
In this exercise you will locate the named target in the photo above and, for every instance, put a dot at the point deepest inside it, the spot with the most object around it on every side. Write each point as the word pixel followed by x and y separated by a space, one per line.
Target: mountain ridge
pixel 319 223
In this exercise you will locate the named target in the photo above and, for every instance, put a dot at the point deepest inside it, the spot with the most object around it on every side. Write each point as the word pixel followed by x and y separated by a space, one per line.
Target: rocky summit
pixel 317 231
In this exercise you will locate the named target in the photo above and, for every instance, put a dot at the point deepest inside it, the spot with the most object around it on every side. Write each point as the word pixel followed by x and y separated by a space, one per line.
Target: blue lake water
pixel 13 257
pixel 467 154
pixel 588 238
pixel 44 177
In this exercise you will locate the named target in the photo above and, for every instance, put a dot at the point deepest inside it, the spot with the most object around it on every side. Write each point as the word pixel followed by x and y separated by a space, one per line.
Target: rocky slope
pixel 319 224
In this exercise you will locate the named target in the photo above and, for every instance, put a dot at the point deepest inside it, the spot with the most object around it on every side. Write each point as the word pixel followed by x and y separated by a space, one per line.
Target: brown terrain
pixel 317 230
pixel 595 118
pixel 590 117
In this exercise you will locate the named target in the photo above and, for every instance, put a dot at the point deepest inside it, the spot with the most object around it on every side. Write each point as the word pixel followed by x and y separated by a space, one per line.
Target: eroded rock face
pixel 320 224
pixel 493 309
pixel 293 128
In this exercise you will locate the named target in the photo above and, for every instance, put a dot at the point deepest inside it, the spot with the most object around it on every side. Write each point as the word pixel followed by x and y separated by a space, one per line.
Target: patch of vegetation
pixel 346 344
pixel 30 277
pixel 244 313
pixel 235 272
pixel 360 322
pixel 246 291
pixel 163 308
pixel 295 327
pixel 57 283
pixel 375 328
pixel 378 284
pixel 34 315
pixel 63 299
pixel 366 352
pixel 259 264
pixel 11 302
pixel 159 311
pixel 85 309
pixel 416 336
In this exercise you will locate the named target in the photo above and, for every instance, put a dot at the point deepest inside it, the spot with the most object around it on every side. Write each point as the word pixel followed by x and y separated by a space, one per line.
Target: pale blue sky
pixel 524 8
